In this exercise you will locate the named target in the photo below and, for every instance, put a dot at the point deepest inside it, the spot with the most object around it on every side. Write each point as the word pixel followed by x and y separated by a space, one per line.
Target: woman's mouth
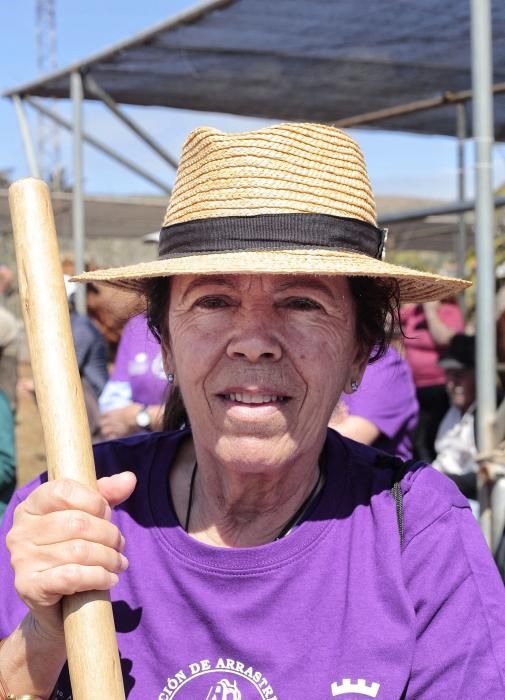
pixel 248 398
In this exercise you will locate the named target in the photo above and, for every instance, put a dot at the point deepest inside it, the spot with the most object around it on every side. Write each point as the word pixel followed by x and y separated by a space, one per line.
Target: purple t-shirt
pixel 387 398
pixel 335 608
pixel 139 362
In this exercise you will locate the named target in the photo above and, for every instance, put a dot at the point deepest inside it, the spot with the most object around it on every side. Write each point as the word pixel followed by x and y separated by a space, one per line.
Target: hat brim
pixel 414 285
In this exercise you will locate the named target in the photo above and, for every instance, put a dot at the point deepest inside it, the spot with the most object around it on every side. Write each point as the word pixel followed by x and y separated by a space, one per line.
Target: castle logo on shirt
pixel 221 679
pixel 360 687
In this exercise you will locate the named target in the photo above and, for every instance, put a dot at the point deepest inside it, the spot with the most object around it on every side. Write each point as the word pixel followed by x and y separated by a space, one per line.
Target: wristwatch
pixel 143 419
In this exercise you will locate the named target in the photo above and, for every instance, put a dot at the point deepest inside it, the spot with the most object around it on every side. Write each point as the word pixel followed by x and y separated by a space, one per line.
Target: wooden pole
pixel 92 652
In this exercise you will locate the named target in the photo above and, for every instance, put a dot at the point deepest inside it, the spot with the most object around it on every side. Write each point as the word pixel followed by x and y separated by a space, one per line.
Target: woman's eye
pixel 213 302
pixel 302 304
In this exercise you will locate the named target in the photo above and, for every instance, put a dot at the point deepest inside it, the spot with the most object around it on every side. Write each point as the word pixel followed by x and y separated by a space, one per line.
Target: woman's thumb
pixel 117 488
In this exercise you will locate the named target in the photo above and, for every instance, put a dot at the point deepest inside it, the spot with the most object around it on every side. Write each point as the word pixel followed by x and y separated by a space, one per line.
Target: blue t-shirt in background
pixel 91 351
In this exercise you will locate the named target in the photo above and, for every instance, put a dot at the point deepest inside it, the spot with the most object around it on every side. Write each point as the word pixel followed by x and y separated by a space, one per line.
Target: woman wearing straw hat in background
pixel 268 556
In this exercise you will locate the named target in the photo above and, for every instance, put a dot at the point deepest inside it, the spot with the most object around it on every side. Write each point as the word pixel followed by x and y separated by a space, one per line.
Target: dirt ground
pixel 30 452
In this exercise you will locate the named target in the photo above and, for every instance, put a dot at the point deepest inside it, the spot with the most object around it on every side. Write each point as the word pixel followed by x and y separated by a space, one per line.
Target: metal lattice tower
pixel 48 141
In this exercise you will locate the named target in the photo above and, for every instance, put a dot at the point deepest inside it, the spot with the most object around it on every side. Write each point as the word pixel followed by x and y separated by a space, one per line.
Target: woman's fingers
pixel 63 541
pixel 64 494
pixel 64 552
pixel 82 553
pixel 45 588
pixel 62 526
pixel 77 579
pixel 65 568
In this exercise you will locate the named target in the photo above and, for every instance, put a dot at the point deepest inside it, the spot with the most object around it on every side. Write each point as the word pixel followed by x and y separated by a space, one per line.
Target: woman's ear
pixel 357 371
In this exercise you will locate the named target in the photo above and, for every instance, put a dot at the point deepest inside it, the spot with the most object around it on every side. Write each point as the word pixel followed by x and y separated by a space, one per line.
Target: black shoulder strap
pixel 400 468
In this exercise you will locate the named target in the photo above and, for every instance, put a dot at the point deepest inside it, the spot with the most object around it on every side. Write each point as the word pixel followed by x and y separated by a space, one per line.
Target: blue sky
pixel 398 163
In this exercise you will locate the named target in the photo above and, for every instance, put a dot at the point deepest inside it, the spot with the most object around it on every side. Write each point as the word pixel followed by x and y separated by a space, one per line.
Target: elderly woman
pixel 268 556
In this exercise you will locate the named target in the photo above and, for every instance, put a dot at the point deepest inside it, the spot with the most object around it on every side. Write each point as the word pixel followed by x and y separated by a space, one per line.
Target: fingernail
pixel 122 544
pixel 114 579
pixel 124 563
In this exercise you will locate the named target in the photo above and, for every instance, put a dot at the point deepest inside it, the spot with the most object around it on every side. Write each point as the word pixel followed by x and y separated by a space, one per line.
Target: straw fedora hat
pixel 286 199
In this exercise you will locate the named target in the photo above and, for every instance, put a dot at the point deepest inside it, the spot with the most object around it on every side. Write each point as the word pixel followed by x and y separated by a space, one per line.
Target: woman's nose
pixel 254 338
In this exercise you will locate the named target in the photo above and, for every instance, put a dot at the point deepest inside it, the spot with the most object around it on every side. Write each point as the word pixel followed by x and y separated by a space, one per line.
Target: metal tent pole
pixel 26 137
pixel 92 87
pixel 77 199
pixel 99 145
pixel 461 134
pixel 416 214
pixel 484 243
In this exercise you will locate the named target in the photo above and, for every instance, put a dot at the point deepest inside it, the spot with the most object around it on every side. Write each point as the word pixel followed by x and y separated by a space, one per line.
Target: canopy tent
pixel 323 60
pixel 341 61
pixel 393 64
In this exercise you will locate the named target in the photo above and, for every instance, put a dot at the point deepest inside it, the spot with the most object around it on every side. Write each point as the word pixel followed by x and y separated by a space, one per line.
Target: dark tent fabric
pixel 322 60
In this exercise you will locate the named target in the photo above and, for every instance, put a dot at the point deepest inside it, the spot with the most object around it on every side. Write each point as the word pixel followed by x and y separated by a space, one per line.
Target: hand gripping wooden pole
pixel 92 652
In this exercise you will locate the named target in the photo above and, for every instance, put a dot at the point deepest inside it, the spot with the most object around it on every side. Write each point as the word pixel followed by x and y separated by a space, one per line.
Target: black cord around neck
pixel 190 497
pixel 295 519
pixel 286 528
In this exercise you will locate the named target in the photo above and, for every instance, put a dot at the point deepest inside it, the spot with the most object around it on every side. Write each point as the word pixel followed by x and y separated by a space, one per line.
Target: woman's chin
pixel 256 449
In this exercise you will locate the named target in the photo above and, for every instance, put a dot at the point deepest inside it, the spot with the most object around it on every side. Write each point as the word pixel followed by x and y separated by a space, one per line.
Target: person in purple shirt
pixel 256 554
pixel 132 400
pixel 383 411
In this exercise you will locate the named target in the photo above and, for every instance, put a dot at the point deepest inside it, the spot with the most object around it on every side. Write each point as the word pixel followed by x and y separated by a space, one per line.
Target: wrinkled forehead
pixel 269 283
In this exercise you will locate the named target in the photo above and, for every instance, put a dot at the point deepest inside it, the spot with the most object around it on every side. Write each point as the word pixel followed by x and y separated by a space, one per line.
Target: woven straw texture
pixel 282 169
pixel 287 168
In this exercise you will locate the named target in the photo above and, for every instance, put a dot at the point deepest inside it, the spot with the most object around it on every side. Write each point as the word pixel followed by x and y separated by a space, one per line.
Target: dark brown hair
pixel 377 313
pixel 377 320
pixel 157 295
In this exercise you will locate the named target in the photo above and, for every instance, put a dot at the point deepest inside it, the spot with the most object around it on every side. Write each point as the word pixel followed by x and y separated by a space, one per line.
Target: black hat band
pixel 271 232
